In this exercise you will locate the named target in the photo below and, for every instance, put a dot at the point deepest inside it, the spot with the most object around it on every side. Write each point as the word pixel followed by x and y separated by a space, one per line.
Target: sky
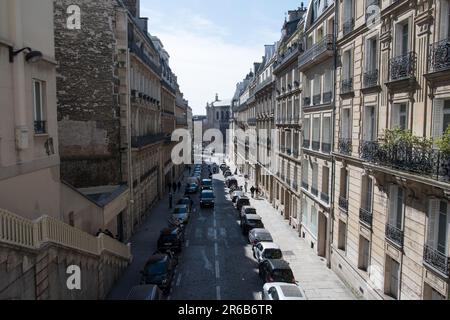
pixel 213 44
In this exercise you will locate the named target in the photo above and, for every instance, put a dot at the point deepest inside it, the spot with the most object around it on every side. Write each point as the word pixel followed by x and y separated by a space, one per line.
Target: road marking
pixel 208 265
pixel 216 249
pixel 187 244
pixel 217 270
pixel 179 280
pixel 215 234
pixel 218 293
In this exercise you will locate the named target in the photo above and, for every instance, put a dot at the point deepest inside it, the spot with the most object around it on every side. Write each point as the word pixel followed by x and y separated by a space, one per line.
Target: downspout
pixel 130 158
pixel 330 221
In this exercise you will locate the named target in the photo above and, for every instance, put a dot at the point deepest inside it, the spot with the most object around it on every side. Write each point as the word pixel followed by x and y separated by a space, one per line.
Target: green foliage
pixel 444 142
pixel 397 136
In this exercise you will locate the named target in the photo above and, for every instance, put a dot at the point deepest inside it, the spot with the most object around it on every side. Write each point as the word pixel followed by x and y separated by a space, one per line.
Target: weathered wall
pixel 87 89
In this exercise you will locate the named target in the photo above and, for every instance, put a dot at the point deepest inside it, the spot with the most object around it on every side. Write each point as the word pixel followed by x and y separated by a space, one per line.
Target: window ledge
pixel 41 135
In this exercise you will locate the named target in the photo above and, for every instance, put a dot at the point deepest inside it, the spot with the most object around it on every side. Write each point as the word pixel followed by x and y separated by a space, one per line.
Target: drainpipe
pixel 130 158
pixel 18 74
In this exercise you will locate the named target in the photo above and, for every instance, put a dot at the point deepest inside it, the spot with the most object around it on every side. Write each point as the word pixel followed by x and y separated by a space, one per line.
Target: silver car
pixel 283 291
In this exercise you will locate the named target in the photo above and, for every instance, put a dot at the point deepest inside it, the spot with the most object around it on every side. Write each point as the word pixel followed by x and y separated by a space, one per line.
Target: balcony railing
pixel 370 79
pixel 251 122
pixel 317 99
pixel 306 101
pixel 316 145
pixel 327 97
pixel 325 197
pixel 345 146
pixel 436 260
pixel 422 161
pixel 326 147
pixel 348 25
pixel 134 48
pixel 142 141
pixel 306 144
pixel 288 54
pixel 366 217
pixel 314 191
pixel 347 86
pixel 40 127
pixel 439 56
pixel 305 185
pixel 343 203
pixel 403 67
pixel 395 235
pixel 324 45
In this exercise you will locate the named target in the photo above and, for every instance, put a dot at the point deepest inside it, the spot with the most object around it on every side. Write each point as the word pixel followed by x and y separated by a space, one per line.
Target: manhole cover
pixel 288 253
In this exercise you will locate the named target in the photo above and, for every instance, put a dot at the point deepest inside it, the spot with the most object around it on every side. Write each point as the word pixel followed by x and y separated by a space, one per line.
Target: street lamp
pixel 32 56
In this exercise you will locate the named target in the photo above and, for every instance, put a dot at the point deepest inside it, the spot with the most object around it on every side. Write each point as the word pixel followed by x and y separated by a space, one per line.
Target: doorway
pixel 322 236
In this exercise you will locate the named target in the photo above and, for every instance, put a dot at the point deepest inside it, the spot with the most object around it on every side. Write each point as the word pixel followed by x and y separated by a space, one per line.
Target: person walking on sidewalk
pixel 246 186
pixel 252 190
pixel 170 200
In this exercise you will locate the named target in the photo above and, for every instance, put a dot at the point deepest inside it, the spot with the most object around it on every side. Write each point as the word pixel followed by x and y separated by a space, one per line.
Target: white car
pixel 247 210
pixel 259 235
pixel 283 291
pixel 267 251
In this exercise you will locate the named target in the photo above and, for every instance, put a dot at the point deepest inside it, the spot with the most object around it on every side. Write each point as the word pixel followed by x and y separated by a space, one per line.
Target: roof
pixel 270 245
pixel 253 217
pixel 222 103
pixel 279 264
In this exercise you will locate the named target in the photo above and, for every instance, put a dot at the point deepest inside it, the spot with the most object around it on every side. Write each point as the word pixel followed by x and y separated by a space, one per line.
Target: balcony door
pixel 444 25
pixel 392 278
pixel 345 123
pixel 369 124
pixel 371 55
pixel 441 117
pixel 396 207
pixel 402 38
pixel 399 116
pixel 438 226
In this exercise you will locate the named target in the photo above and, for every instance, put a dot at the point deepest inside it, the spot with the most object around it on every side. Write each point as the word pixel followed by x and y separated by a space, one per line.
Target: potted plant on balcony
pixel 443 143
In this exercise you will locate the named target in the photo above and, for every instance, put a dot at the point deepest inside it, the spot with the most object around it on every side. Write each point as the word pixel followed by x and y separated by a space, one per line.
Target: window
pixel 347 65
pixel 399 116
pixel 342 236
pixel 315 179
pixel 313 221
pixel 364 254
pixel 371 55
pixel 438 225
pixel 305 175
pixel 445 20
pixel 38 96
pixel 367 194
pixel 307 132
pixel 345 132
pixel 325 184
pixel 326 134
pixel 402 38
pixel 348 10
pixel 396 207
pixel 441 117
pixel 316 133
pixel 392 278
pixel 344 183
pixel 369 124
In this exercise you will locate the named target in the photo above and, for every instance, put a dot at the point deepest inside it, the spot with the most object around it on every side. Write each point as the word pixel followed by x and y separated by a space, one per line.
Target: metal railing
pixel 343 203
pixel 439 56
pixel 142 141
pixel 288 54
pixel 347 86
pixel 345 146
pixel 370 78
pixel 348 26
pixel 395 235
pixel 40 127
pixel 326 147
pixel 134 48
pixel 366 217
pixel 436 260
pixel 422 161
pixel 403 67
pixel 324 45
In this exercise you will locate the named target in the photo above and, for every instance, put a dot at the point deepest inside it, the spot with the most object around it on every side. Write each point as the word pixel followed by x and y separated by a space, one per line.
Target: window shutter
pixel 433 223
pixel 438 116
pixel 395 114
pixel 393 198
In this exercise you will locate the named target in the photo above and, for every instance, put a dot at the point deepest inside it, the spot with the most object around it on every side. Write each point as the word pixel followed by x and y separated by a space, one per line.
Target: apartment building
pixel 288 117
pixel 391 227
pixel 317 64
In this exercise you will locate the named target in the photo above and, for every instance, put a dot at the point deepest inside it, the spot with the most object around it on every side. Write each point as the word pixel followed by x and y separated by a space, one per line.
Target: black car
pixel 171 239
pixel 276 271
pixel 187 201
pixel 250 222
pixel 159 270
pixel 227 174
pixel 207 199
pixel 242 202
pixel 207 184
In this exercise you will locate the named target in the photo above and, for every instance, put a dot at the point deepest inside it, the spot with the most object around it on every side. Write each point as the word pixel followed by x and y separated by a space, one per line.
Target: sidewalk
pixel 319 282
pixel 143 245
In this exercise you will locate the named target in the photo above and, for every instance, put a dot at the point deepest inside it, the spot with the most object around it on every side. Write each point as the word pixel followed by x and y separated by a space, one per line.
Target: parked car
pixel 227 174
pixel 145 292
pixel 187 201
pixel 256 236
pixel 179 215
pixel 171 239
pixel 207 199
pixel 223 166
pixel 159 270
pixel 250 222
pixel 267 251
pixel 247 210
pixel 276 270
pixel 235 195
pixel 207 184
pixel 191 188
pixel 231 182
pixel 241 202
pixel 283 291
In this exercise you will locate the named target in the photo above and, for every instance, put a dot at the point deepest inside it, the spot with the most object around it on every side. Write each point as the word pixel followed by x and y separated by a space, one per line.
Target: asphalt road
pixel 217 261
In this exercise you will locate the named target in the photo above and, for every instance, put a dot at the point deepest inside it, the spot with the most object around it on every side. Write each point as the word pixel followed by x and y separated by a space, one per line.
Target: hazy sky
pixel 213 44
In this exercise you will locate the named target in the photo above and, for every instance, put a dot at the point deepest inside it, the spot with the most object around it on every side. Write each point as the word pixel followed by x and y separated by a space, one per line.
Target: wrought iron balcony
pixel 134 48
pixel 306 144
pixel 370 79
pixel 348 26
pixel 325 197
pixel 142 141
pixel 437 260
pixel 366 217
pixel 296 153
pixel 316 145
pixel 288 152
pixel 40 127
pixel 306 101
pixel 439 56
pixel 403 67
pixel 305 185
pixel 326 147
pixel 317 99
pixel 422 161
pixel 251 122
pixel 343 203
pixel 395 235
pixel 295 186
pixel 324 46
pixel 314 191
pixel 347 86
pixel 290 53
pixel 327 97
pixel 345 146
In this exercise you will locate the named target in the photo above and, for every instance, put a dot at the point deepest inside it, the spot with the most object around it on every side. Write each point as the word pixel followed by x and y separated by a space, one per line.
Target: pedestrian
pixel 235 172
pixel 170 200
pixel 252 190
pixel 258 190
pixel 246 187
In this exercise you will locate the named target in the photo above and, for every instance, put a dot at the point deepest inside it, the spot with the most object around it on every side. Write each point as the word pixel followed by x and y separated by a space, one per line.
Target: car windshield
pixel 159 267
pixel 264 237
pixel 207 183
pixel 273 254
pixel 245 202
pixel 250 211
pixel 179 210
pixel 283 275
pixel 256 223
pixel 207 195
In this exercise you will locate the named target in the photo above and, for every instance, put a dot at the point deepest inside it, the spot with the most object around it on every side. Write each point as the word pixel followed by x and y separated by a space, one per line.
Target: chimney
pixel 217 97
pixel 133 6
